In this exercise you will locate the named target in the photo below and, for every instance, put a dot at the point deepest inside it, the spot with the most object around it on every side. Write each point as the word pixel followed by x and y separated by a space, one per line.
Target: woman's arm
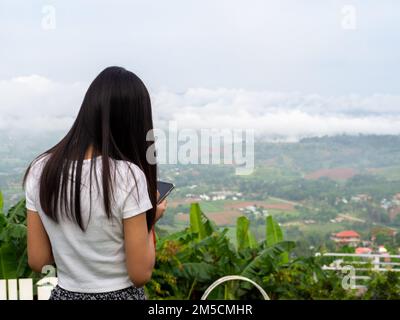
pixel 139 246
pixel 39 247
pixel 139 249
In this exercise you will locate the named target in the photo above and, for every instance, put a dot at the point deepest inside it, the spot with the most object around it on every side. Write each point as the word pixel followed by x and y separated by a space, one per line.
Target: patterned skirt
pixel 130 293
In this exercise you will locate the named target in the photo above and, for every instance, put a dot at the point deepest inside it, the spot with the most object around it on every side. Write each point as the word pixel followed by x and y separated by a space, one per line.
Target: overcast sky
pixel 287 67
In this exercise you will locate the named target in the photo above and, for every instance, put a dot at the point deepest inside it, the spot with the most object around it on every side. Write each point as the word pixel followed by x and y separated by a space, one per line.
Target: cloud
pixel 37 103
pixel 40 104
pixel 36 96
pixel 278 114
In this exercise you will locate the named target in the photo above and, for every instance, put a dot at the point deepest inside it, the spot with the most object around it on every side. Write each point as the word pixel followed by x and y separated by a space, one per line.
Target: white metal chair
pixel 230 278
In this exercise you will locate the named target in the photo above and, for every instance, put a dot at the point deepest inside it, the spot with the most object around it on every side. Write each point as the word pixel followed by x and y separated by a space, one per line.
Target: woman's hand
pixel 161 207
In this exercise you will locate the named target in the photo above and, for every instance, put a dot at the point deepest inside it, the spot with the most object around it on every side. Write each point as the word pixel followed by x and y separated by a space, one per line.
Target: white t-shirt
pixel 94 260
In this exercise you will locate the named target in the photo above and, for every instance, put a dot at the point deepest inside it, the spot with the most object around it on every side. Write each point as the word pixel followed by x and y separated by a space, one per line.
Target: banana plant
pixel 13 254
pixel 273 232
pixel 199 223
pixel 244 237
pixel 274 235
pixel 1 203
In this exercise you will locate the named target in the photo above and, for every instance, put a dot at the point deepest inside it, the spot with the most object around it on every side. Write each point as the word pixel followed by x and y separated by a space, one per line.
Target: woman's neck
pixel 89 153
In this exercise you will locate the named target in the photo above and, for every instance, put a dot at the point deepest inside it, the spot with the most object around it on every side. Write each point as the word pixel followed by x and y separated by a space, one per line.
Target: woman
pixel 92 198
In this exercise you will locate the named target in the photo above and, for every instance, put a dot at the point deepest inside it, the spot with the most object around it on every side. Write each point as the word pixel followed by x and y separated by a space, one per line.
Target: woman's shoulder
pixel 127 165
pixel 129 171
pixel 36 166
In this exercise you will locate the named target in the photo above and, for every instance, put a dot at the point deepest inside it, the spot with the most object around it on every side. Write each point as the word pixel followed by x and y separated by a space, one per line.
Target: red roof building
pixel 363 250
pixel 347 234
pixel 347 237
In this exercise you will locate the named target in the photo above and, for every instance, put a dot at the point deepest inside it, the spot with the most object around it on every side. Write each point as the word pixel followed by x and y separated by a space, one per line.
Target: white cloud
pixel 38 103
pixel 279 114
pixel 37 96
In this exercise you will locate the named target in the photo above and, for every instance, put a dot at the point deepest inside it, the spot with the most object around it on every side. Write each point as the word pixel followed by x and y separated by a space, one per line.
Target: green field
pixel 390 173
pixel 325 228
pixel 273 172
pixel 213 206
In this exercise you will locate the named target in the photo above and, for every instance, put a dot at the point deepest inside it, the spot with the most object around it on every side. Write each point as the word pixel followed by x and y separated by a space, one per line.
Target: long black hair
pixel 114 120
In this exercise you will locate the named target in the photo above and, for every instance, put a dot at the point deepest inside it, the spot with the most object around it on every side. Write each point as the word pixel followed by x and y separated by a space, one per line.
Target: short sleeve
pixel 137 199
pixel 31 190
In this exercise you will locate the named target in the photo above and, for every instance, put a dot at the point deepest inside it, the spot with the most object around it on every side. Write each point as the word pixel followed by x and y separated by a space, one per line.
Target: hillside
pixel 314 187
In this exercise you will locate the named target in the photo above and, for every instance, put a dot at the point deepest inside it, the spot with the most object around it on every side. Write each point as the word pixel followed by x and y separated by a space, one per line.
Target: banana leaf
pixel 196 221
pixel 268 259
pixel 273 231
pixel 8 261
pixel 242 236
pixel 1 203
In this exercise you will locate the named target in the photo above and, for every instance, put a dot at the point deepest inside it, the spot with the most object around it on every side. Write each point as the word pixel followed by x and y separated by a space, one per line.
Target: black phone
pixel 164 188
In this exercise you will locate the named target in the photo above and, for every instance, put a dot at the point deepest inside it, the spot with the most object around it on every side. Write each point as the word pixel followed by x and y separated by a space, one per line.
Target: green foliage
pixel 273 231
pixel 187 264
pixel 274 235
pixel 8 262
pixel 1 202
pixel 196 221
pixel 267 260
pixel 244 236
pixel 383 286
pixel 303 279
pixel 190 260
pixel 13 255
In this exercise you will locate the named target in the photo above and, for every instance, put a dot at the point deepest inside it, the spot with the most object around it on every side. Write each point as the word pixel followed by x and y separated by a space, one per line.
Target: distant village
pixel 353 239
pixel 349 238
pixel 214 195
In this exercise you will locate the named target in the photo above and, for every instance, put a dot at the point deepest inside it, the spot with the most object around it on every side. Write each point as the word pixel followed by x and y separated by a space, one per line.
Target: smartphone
pixel 164 188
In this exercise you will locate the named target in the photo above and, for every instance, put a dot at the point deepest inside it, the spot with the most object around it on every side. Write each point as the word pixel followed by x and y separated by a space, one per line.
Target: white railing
pixel 361 263
pixel 22 289
pixel 378 262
